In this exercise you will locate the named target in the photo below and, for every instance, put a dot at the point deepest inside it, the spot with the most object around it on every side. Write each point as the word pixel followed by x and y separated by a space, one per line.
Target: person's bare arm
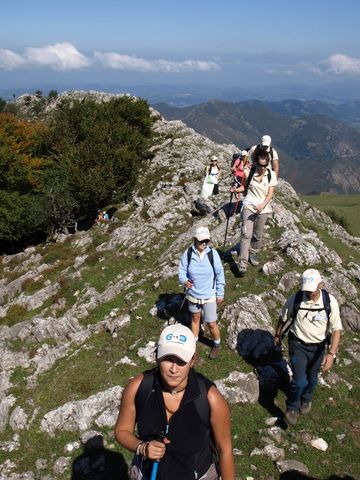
pixel 268 198
pixel 125 425
pixel 334 345
pixel 276 167
pixel 221 427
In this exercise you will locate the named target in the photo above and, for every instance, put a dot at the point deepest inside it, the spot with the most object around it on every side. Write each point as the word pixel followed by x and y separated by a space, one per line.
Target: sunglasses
pixel 203 241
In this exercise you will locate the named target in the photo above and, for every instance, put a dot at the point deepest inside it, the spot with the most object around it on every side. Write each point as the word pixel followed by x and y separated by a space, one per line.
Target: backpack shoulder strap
pixel 145 389
pixel 326 302
pixel 201 402
pixel 296 307
pixel 269 175
pixel 248 180
pixel 271 153
pixel 211 260
pixel 189 254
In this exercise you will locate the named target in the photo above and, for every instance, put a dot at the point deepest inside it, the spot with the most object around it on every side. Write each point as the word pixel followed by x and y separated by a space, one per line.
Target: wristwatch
pixel 332 354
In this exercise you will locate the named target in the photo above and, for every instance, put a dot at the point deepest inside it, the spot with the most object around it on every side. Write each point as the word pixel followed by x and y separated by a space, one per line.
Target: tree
pixel 2 104
pixel 99 147
pixel 52 94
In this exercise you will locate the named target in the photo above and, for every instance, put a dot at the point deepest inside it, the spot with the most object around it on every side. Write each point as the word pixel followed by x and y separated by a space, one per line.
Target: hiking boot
pixel 305 408
pixel 242 270
pixel 214 353
pixel 291 417
pixel 253 259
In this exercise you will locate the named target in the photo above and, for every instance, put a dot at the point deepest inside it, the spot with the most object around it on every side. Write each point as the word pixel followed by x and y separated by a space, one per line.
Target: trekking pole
pixel 228 217
pixel 237 202
pixel 185 292
pixel 182 303
pixel 155 466
pixel 154 470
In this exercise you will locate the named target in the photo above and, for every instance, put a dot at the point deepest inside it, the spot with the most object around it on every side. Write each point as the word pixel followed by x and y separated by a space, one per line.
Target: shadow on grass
pixel 296 475
pixel 98 463
pixel 173 307
pixel 257 348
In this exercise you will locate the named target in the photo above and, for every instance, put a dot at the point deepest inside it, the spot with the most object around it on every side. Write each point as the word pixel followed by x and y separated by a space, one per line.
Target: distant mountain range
pixel 186 94
pixel 318 142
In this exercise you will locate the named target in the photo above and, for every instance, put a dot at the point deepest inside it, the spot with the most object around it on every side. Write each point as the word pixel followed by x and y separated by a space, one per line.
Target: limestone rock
pixel 273 266
pixel 291 465
pixel 61 465
pixel 350 316
pixel 148 352
pixel 319 444
pixel 80 414
pixel 239 387
pixel 5 406
pixel 247 314
pixel 18 419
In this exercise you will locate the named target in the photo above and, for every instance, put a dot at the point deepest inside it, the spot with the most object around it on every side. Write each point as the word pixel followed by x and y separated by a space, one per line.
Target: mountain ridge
pixel 81 314
pixel 313 142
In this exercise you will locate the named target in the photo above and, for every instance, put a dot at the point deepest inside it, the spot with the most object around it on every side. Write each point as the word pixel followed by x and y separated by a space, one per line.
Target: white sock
pixel 217 342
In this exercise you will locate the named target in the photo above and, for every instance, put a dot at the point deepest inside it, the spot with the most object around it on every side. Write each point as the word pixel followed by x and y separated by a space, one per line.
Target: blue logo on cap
pixel 181 338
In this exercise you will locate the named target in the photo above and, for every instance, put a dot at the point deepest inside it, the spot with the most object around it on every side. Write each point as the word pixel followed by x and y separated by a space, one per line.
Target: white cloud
pixel 64 56
pixel 10 60
pixel 118 61
pixel 342 64
pixel 60 56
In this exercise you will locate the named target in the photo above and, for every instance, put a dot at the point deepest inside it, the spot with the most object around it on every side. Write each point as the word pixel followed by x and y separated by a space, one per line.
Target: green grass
pixel 90 368
pixel 346 207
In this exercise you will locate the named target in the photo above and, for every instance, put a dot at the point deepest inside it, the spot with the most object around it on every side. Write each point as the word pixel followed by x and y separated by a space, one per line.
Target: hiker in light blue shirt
pixel 202 274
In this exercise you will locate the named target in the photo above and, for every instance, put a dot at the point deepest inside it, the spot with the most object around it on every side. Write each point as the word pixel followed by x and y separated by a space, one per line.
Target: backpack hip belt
pixel 200 301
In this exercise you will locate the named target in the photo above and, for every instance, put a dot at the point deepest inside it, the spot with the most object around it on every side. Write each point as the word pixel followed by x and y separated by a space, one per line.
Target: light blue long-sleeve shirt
pixel 201 273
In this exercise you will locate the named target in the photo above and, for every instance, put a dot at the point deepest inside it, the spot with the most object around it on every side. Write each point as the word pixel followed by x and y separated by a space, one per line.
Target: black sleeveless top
pixel 189 455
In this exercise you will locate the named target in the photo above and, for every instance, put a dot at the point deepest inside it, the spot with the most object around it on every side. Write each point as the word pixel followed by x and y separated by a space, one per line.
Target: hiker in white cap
pixel 312 318
pixel 176 412
pixel 212 177
pixel 202 274
pixel 258 192
pixel 265 146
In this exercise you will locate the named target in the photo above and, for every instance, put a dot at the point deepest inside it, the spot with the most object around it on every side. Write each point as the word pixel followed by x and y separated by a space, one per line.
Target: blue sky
pixel 224 42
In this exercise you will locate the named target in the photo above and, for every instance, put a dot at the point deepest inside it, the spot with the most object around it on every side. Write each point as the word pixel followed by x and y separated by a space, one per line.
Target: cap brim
pixel 169 351
pixel 309 287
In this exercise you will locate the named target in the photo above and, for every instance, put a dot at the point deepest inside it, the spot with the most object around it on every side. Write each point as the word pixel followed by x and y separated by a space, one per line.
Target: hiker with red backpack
pixel 312 318
pixel 265 147
pixel 240 163
pixel 258 192
pixel 202 275
pixel 182 420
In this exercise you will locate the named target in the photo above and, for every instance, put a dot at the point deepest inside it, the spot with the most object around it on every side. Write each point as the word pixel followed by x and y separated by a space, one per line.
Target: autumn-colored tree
pixel 22 164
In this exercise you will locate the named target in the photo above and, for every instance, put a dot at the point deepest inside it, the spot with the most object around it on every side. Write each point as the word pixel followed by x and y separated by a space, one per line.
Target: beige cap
pixel 310 280
pixel 202 233
pixel 177 340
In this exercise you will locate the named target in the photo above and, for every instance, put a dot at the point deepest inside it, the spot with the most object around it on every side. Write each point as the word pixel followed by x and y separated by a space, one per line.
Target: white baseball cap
pixel 202 233
pixel 214 158
pixel 244 153
pixel 176 340
pixel 266 140
pixel 310 280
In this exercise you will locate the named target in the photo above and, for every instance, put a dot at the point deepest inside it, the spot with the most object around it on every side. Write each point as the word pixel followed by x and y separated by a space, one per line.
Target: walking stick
pixel 182 303
pixel 228 217
pixel 155 466
pixel 154 470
